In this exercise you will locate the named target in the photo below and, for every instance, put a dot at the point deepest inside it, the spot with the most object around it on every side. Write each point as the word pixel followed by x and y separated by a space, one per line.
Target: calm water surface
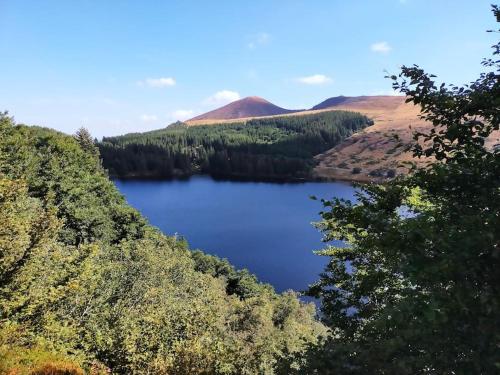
pixel 264 227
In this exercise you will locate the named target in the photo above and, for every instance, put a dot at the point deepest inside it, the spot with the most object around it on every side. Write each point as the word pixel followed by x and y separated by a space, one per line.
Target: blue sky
pixel 122 66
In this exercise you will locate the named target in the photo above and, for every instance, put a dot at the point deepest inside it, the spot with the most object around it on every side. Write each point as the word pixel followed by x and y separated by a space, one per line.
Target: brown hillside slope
pixel 374 152
pixel 379 102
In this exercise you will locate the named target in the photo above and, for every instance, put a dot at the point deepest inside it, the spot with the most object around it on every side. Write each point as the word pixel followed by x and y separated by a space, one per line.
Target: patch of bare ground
pixel 378 152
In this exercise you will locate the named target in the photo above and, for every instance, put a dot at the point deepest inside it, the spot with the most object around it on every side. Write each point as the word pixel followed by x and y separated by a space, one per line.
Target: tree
pixel 86 142
pixel 87 284
pixel 416 289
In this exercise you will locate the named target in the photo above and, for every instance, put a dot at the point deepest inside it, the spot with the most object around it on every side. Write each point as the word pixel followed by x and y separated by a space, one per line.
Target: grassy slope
pixel 379 147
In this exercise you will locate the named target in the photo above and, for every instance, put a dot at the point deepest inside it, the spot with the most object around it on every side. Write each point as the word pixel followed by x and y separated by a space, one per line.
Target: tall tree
pixel 86 142
pixel 417 288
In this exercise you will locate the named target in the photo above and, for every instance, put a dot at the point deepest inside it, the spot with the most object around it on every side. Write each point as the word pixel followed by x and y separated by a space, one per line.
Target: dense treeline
pixel 280 147
pixel 86 283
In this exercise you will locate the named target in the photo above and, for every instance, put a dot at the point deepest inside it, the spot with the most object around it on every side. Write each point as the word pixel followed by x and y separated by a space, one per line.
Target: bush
pixel 356 170
pixel 376 173
pixel 58 368
pixel 36 360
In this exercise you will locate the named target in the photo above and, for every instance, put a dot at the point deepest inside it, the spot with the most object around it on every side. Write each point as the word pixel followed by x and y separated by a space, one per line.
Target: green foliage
pixel 278 147
pixel 417 288
pixel 86 142
pixel 37 358
pixel 239 282
pixel 86 282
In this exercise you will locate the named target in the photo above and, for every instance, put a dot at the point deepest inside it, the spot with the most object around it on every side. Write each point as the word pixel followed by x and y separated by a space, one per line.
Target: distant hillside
pixel 378 151
pixel 281 147
pixel 378 102
pixel 252 106
pixel 374 153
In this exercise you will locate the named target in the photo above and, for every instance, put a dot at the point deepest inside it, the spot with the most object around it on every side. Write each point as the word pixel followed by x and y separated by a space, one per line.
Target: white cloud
pixel 182 114
pixel 158 82
pixel 221 98
pixel 381 47
pixel 149 118
pixel 315 79
pixel 259 39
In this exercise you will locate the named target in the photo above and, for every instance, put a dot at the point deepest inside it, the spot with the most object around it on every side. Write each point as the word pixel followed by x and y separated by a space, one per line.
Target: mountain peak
pixel 251 106
pixel 255 99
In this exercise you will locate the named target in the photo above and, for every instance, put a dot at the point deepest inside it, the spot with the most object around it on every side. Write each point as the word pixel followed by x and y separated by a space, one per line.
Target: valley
pixel 158 218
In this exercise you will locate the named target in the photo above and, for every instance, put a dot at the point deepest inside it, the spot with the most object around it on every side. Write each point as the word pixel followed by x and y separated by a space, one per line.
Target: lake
pixel 262 226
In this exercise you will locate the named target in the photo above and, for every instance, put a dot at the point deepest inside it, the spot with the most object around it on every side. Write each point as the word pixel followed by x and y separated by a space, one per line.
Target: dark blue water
pixel 264 227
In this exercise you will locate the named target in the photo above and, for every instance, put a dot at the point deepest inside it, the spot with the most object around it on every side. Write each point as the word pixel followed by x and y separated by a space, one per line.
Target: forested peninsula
pixel 268 148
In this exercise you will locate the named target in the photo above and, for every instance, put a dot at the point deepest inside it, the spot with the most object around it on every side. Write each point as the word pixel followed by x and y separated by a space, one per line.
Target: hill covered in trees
pixel 86 283
pixel 273 148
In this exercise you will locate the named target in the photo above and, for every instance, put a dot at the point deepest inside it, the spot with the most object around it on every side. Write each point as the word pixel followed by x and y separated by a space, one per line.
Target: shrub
pixel 356 170
pixel 58 368
pixel 376 173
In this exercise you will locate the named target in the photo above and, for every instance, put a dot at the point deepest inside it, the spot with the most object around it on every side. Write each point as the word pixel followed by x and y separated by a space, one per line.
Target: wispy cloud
pixel 259 39
pixel 315 79
pixel 221 97
pixel 182 114
pixel 158 82
pixel 381 47
pixel 149 118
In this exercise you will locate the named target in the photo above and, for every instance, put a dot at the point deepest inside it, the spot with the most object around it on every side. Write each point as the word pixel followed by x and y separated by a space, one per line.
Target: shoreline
pixel 355 178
